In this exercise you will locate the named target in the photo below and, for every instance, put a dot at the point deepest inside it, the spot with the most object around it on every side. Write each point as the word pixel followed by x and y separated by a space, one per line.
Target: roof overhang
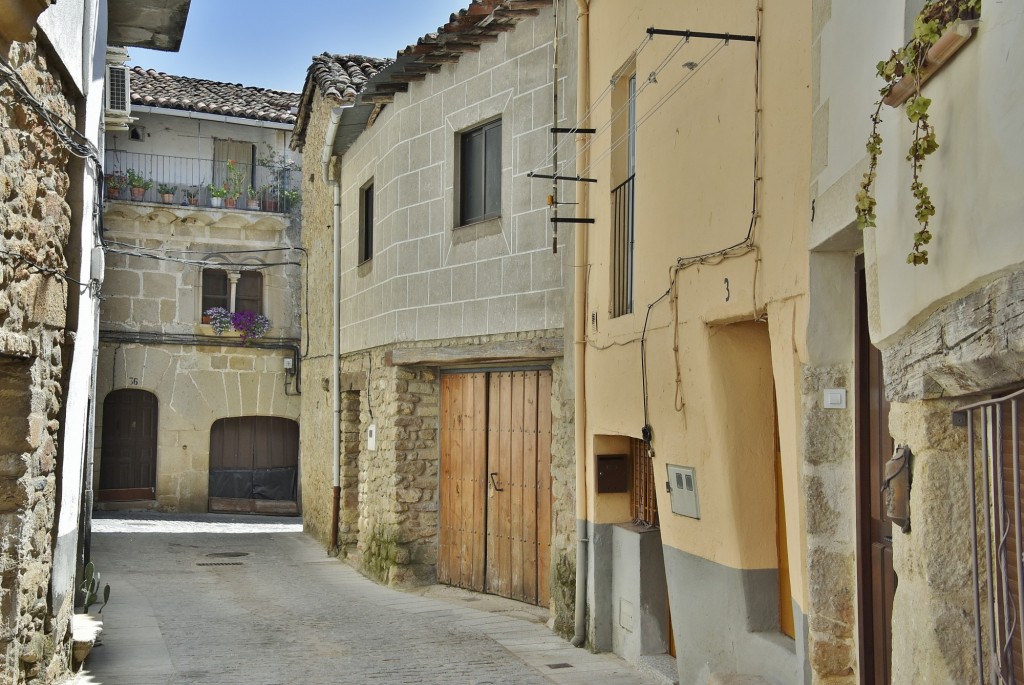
pixel 152 24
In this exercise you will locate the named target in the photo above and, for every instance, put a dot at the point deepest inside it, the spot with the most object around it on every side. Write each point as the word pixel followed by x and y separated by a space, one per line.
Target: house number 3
pixel 727 293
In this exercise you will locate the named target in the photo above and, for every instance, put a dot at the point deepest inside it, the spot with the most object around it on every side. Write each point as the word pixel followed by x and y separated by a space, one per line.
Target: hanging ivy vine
pixel 908 63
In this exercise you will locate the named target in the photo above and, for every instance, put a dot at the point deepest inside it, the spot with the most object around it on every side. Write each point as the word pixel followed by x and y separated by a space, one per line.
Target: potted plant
pixel 291 199
pixel 166 192
pixel 138 184
pixel 217 195
pixel 233 185
pixel 219 318
pixel 250 324
pixel 192 195
pixel 280 168
pixel 253 201
pixel 114 183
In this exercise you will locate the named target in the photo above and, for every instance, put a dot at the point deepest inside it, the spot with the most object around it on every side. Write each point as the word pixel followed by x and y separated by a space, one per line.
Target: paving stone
pixel 284 614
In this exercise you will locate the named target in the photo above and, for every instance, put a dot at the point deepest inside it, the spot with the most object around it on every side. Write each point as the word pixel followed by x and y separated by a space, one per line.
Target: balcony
pixel 189 181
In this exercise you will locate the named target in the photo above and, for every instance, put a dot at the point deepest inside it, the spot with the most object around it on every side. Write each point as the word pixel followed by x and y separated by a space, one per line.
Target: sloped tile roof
pixel 342 77
pixel 157 89
pixel 337 77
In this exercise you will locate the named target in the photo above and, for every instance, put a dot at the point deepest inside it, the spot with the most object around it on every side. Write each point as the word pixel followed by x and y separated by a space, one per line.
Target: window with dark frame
pixel 623 195
pixel 480 173
pixel 366 223
pixel 248 291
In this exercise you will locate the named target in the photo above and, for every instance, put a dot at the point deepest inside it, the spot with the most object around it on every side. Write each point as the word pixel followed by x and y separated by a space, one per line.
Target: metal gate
pixel 994 457
pixel 128 452
pixel 254 464
pixel 495 491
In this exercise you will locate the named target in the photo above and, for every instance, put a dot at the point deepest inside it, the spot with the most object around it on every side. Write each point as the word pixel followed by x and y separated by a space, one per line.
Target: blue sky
pixel 269 43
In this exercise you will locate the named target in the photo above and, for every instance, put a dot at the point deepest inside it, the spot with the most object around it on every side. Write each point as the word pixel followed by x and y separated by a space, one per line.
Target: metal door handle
pixel 494 483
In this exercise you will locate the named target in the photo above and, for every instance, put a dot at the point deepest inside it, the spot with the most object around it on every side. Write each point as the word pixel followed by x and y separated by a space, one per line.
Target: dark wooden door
pixel 876 579
pixel 495 493
pixel 128 454
pixel 254 464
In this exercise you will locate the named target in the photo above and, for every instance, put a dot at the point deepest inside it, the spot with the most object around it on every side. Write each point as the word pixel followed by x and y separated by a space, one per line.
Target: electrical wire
pixel 40 268
pixel 65 132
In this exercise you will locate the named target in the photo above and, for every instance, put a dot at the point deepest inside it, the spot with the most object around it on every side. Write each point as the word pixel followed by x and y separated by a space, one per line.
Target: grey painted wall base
pixel 726 621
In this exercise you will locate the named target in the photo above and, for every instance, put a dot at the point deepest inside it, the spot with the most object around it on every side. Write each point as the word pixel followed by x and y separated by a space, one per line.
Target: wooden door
pixel 876 579
pixel 128 453
pixel 461 548
pixel 254 465
pixel 495 493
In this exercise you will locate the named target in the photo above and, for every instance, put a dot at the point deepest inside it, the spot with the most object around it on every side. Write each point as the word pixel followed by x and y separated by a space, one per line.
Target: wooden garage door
pixel 128 453
pixel 254 464
pixel 495 494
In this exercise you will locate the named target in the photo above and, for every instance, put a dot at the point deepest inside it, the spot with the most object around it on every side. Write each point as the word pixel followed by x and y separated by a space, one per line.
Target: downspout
pixel 325 167
pixel 579 327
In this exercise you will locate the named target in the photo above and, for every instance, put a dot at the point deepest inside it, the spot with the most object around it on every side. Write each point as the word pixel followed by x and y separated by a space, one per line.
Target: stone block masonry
pixel 36 226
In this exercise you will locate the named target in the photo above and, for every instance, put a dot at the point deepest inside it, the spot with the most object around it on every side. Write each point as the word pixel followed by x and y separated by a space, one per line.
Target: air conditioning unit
pixel 119 103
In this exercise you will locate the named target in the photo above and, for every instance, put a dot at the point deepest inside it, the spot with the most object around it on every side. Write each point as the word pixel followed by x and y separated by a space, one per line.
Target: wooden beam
pixel 409 78
pixel 460 46
pixel 440 59
pixel 378 99
pixel 511 350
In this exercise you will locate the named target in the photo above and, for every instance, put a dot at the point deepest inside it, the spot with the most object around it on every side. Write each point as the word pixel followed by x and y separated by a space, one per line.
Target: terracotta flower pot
pixel 113 193
pixel 270 205
pixel 167 198
pixel 253 205
pixel 138 194
pixel 229 202
pixel 193 201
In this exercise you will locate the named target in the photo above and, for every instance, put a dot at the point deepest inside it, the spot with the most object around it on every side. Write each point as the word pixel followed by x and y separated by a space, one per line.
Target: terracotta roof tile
pixel 157 89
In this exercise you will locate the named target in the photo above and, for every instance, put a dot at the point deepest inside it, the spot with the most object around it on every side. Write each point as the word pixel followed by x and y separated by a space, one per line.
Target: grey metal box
pixel 682 487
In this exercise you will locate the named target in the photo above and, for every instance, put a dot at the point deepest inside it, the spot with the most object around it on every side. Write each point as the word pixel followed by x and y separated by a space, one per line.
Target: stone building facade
pixel 436 298
pixel 221 412
pixel 51 110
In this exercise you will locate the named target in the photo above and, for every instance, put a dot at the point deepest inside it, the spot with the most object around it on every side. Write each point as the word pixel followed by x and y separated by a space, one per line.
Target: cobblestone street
pixel 219 600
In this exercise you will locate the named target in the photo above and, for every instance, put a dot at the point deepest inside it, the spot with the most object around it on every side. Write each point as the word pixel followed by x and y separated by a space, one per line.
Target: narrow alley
pixel 211 599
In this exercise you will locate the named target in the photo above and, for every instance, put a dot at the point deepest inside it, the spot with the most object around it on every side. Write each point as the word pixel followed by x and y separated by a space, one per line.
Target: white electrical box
pixel 371 437
pixel 835 398
pixel 682 488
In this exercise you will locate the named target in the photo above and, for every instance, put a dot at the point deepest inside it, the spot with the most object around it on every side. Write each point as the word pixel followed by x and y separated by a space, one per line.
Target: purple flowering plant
pixel 250 324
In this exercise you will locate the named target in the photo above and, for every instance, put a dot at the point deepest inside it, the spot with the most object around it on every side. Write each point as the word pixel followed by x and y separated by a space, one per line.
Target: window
pixel 624 173
pixel 480 173
pixel 366 223
pixel 242 153
pixel 643 500
pixel 234 291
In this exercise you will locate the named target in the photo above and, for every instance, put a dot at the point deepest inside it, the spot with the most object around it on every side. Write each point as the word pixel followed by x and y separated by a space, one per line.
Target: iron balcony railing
pixel 195 181
pixel 994 459
pixel 622 248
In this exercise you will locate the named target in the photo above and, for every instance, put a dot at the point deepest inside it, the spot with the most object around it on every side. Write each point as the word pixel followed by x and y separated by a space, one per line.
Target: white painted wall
pixel 70 29
pixel 975 177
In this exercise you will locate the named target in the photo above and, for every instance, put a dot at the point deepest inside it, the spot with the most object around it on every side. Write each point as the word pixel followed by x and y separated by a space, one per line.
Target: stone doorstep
pixel 736 679
pixel 85 630
pixel 660 667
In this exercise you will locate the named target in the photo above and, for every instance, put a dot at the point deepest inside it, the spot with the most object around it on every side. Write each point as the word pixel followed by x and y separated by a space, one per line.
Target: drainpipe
pixel 325 166
pixel 579 328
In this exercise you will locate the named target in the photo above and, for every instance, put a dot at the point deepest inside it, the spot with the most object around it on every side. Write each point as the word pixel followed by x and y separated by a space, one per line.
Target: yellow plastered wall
pixel 694 184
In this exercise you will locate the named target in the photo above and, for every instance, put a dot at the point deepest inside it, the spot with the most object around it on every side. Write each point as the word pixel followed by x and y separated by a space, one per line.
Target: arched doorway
pixel 128 452
pixel 254 465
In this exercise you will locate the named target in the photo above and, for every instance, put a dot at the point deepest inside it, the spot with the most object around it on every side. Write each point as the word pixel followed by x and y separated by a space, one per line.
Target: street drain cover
pixel 559 665
pixel 220 563
pixel 227 555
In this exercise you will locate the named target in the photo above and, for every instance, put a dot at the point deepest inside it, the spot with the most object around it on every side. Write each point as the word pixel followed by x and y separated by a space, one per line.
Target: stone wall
pixel 829 490
pixel 36 219
pixel 152 337
pixel 966 347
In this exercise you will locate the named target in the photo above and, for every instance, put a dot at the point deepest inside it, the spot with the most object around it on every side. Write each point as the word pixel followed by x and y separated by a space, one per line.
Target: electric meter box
pixel 682 488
